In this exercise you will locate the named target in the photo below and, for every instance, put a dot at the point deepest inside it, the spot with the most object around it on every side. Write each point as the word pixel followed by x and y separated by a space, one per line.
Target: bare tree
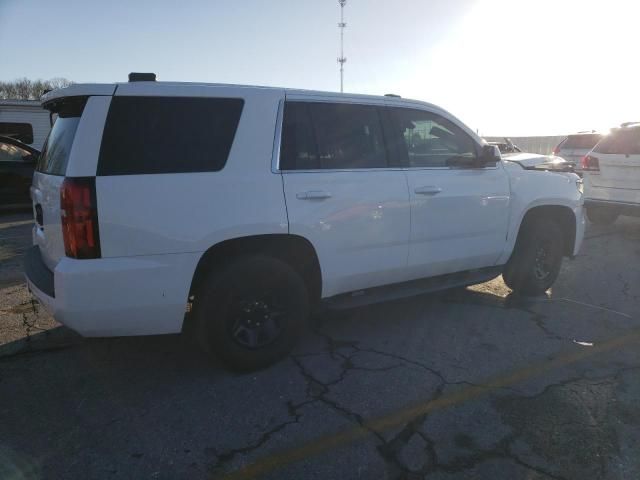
pixel 25 89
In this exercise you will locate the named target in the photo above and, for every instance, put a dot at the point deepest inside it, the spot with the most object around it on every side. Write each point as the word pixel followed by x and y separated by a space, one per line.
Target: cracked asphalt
pixel 469 383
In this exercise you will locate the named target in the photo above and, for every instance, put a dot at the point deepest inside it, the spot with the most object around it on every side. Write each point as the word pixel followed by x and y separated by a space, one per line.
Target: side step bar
pixel 410 289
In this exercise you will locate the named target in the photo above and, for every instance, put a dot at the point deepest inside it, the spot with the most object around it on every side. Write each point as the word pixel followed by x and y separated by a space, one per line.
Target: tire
pixel 251 312
pixel 602 215
pixel 536 259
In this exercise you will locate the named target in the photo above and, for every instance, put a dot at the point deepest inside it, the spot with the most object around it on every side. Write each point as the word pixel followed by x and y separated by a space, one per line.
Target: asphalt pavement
pixel 470 383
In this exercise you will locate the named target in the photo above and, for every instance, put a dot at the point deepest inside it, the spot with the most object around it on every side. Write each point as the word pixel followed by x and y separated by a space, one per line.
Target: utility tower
pixel 342 59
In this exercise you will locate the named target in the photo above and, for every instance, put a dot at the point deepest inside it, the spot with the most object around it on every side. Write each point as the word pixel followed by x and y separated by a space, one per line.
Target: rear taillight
pixel 80 217
pixel 590 163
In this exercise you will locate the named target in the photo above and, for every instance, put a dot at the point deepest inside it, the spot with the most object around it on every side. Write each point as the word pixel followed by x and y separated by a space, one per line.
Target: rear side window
pixel 331 136
pixel 622 141
pixel 146 135
pixel 54 157
pixel 582 142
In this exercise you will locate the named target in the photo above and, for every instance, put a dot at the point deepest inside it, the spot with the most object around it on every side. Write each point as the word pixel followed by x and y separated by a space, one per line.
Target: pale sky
pixel 504 67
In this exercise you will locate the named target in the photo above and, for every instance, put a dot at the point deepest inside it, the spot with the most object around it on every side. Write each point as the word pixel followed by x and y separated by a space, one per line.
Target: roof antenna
pixel 342 59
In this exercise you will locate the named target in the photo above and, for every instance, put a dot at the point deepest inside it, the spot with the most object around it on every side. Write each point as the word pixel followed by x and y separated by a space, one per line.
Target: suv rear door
pixel 618 156
pixel 70 150
pixel 342 194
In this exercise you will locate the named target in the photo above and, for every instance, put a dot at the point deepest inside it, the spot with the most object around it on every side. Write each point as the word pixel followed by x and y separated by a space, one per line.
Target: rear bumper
pixel 115 296
pixel 624 208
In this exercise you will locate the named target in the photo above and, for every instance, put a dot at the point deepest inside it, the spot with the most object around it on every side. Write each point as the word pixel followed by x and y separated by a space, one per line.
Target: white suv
pixel 611 174
pixel 235 211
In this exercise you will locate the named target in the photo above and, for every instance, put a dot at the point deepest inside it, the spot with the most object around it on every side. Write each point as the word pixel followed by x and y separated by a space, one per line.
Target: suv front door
pixel 343 195
pixel 459 210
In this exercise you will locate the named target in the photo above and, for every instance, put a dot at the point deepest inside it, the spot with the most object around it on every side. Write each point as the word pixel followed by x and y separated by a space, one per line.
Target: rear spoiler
pixel 78 90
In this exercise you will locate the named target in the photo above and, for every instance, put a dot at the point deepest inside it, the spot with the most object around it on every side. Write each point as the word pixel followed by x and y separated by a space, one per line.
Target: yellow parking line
pixel 401 417
pixel 15 224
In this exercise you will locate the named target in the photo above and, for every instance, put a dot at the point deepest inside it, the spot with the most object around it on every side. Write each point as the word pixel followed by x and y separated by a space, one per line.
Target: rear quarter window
pixel 145 135
pixel 54 157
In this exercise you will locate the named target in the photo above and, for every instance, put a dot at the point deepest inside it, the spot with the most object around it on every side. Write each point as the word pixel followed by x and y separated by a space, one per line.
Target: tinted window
pixel 19 131
pixel 622 141
pixel 57 147
pixel 168 135
pixel 298 148
pixel 332 136
pixel 429 140
pixel 583 142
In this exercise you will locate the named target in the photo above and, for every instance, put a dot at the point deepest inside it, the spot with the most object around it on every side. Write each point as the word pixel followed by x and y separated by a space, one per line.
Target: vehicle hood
pixel 535 161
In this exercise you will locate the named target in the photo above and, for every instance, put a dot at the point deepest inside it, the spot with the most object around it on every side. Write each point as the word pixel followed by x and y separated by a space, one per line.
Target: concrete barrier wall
pixel 542 145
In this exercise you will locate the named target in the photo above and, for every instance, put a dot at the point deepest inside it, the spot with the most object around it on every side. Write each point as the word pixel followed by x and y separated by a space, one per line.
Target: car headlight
pixel 580 185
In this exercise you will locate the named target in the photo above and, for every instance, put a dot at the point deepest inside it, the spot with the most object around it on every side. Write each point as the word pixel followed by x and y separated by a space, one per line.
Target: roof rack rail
pixel 628 124
pixel 392 95
pixel 142 77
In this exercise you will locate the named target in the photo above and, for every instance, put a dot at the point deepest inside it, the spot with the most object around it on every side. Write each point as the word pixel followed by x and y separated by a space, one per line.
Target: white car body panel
pixel 464 226
pixel 198 209
pixel 83 159
pixel 618 179
pixel 121 296
pixel 361 235
pixel 530 189
pixel 373 229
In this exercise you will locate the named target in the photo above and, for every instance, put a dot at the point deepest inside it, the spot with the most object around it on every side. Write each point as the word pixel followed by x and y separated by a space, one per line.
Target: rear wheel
pixel 602 215
pixel 251 312
pixel 537 257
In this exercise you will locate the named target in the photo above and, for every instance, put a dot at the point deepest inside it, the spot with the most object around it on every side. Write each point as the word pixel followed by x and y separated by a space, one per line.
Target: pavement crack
pixel 223 458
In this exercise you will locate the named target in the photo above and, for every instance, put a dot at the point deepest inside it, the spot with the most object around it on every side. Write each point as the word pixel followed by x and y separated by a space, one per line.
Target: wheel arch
pixel 562 214
pixel 295 250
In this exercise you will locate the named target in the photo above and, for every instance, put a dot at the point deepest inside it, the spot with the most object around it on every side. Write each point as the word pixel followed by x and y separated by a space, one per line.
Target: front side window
pixel 331 136
pixel 621 142
pixel 429 140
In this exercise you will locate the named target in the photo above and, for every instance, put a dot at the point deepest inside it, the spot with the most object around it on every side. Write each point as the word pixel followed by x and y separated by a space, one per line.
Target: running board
pixel 410 289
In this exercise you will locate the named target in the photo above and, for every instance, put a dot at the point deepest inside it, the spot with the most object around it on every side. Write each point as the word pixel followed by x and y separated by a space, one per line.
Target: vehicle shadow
pixel 15 239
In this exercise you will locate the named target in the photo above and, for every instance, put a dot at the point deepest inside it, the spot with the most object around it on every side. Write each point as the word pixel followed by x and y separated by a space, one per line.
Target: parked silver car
pixel 576 146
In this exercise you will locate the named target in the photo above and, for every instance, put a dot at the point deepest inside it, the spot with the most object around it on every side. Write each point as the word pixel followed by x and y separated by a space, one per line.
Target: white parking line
pixel 596 306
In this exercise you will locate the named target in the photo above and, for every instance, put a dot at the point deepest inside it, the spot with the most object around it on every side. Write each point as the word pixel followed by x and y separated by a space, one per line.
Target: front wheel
pixel 251 312
pixel 536 259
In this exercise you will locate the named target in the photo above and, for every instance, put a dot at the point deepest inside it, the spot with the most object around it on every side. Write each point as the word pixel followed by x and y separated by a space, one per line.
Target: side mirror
pixel 489 156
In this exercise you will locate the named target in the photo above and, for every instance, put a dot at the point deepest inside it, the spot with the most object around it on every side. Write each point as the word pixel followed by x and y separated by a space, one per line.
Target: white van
pixel 249 207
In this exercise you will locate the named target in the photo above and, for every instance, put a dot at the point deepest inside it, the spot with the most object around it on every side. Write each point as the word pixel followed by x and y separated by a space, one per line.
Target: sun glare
pixel 545 67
